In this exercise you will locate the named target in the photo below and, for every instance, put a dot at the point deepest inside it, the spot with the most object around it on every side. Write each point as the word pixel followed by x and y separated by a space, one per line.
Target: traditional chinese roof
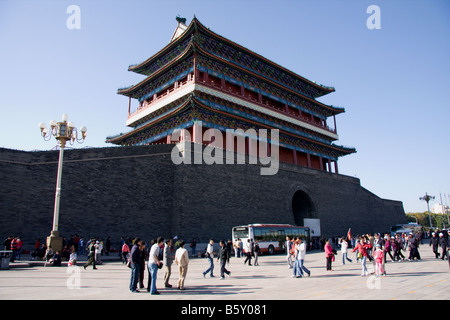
pixel 170 97
pixel 185 51
pixel 269 69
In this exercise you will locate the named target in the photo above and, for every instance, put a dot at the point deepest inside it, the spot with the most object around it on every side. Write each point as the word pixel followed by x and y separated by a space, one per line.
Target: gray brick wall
pixel 138 191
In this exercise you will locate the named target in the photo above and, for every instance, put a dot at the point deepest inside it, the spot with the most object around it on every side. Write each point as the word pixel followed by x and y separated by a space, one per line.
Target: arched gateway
pixel 302 207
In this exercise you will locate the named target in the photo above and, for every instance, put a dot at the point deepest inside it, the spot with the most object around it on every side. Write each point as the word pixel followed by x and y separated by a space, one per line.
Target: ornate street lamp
pixel 62 131
pixel 427 198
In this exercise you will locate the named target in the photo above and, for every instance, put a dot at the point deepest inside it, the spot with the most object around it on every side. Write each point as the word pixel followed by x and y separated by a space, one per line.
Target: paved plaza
pixel 428 279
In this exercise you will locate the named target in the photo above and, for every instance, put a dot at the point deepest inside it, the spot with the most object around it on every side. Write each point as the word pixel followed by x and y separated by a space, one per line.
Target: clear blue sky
pixel 393 82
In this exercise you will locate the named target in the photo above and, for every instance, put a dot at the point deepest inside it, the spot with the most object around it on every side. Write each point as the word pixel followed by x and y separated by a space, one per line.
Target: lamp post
pixel 427 198
pixel 62 131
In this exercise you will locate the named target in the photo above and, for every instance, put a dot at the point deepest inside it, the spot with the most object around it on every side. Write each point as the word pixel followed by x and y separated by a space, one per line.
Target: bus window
pixel 272 235
pixel 240 232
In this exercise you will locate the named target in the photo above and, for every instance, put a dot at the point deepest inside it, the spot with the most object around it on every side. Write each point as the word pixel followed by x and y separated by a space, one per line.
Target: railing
pixel 266 104
pixel 145 105
pixel 296 115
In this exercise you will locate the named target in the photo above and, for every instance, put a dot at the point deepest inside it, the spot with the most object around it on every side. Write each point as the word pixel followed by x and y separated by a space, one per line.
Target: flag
pixel 349 236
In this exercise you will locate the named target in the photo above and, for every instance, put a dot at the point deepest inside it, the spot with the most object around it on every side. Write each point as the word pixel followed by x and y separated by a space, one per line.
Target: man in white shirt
pixel 301 256
pixel 154 263
pixel 182 260
pixel 210 256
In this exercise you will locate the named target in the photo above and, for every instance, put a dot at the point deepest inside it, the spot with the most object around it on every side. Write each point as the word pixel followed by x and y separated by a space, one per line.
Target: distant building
pixel 438 208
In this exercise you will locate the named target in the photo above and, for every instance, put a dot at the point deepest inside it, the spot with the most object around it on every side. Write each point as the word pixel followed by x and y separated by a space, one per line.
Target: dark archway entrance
pixel 302 207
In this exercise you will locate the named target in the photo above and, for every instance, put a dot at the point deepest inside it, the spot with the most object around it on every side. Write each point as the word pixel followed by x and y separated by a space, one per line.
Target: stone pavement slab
pixel 428 279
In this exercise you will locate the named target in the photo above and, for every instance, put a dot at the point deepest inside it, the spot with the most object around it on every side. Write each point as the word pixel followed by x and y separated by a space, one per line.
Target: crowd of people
pixel 14 244
pixel 162 254
pixel 379 248
pixel 71 248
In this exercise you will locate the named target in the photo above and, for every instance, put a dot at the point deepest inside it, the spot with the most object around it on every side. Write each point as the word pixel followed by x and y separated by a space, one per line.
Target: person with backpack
pixel 91 256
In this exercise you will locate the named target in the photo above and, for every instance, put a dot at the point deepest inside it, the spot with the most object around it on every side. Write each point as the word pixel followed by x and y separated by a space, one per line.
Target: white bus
pixel 271 237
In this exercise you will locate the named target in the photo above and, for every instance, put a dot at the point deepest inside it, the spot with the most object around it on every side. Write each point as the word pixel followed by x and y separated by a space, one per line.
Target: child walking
pixel 378 256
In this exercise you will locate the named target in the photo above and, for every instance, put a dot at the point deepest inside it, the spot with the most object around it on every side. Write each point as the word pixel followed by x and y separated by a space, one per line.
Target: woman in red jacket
pixel 329 255
pixel 362 247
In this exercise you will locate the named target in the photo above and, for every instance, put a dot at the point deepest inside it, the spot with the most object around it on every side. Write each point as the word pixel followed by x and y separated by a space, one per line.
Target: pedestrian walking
pixel 394 247
pixel 248 250
pixel 379 255
pixel 361 246
pixel 299 253
pixel 413 247
pixel 344 248
pixel 257 253
pixel 443 244
pixel 223 257
pixel 154 263
pixel 135 263
pixel 168 257
pixel 399 242
pixel 91 256
pixel 387 248
pixel 182 260
pixel 210 256
pixel 125 252
pixel 301 256
pixel 434 243
pixel 296 271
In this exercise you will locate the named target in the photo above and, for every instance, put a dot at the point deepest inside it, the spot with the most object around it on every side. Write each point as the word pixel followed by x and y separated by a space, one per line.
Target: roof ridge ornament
pixel 181 19
pixel 181 27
